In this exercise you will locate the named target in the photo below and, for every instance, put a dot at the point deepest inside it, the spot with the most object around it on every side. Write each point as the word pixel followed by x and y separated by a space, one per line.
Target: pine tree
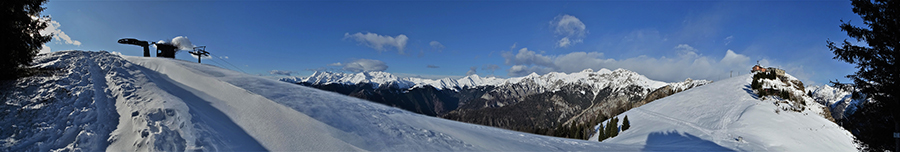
pixel 615 127
pixel 879 75
pixel 20 37
pixel 578 132
pixel 608 129
pixel 571 130
pixel 601 133
pixel 625 123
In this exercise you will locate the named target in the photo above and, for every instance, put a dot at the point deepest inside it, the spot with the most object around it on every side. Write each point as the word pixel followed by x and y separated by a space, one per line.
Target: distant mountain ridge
pixel 528 103
pixel 598 79
pixel 839 99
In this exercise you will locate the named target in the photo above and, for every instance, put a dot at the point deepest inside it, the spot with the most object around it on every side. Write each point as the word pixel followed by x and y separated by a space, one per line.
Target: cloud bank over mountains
pixel 281 72
pixel 687 64
pixel 362 65
pixel 379 42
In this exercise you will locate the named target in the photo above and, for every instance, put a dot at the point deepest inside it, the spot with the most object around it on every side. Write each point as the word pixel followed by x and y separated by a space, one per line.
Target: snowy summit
pixel 550 81
pixel 728 116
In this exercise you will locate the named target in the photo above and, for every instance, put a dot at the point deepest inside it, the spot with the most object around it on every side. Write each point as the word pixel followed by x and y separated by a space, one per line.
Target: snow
pixel 66 111
pixel 173 105
pixel 830 94
pixel 725 115
pixel 102 101
pixel 598 80
pixel 687 84
pixel 839 100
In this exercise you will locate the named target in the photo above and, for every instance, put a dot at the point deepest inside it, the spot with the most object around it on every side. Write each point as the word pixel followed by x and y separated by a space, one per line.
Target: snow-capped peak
pixel 597 79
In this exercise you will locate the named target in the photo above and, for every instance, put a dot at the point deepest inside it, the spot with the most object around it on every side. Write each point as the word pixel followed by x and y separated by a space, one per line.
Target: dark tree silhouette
pixel 20 40
pixel 878 72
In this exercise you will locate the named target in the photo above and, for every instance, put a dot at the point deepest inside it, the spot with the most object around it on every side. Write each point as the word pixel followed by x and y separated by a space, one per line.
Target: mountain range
pixel 525 103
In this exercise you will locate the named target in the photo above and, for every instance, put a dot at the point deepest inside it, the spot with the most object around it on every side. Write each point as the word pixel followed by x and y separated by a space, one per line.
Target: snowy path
pixel 67 109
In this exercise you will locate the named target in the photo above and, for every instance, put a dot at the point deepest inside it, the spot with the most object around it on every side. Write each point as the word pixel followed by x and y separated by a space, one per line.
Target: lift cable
pixel 229 63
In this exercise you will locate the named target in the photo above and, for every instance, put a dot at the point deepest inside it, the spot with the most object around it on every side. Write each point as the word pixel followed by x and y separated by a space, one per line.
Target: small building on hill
pixel 757 68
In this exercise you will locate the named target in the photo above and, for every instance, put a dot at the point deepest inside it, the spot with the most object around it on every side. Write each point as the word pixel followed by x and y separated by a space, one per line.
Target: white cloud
pixel 336 64
pixel 183 43
pixel 490 67
pixel 279 72
pixel 378 42
pixel 526 57
pixel 58 34
pixel 570 28
pixel 685 47
pixel 472 70
pixel 734 59
pixel 564 42
pixel 436 46
pixel 361 65
pixel 44 49
pixel 518 70
pixel 688 64
pixel 728 40
pixel 521 70
pixel 686 51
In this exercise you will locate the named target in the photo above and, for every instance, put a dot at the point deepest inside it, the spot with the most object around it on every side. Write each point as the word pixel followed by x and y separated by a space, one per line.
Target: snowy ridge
pixel 550 81
pixel 830 94
pixel 98 101
pixel 687 84
pixel 727 116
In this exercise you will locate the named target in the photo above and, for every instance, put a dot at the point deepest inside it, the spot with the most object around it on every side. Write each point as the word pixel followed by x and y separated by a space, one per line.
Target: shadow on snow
pixel 750 91
pixel 675 141
pixel 214 129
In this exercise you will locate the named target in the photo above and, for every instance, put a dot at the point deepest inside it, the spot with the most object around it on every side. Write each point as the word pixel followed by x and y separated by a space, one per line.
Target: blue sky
pixel 667 41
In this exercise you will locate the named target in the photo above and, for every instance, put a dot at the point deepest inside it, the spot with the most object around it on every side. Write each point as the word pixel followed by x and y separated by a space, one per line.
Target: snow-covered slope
pixel 96 101
pixel 554 80
pixel 726 115
pixel 839 99
pixel 100 101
